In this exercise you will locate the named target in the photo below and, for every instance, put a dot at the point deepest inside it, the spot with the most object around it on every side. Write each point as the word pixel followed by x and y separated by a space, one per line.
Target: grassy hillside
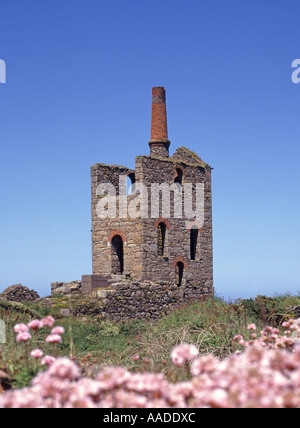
pixel 138 345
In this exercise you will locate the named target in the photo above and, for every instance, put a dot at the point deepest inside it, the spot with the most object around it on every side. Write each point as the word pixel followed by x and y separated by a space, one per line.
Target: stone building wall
pixel 130 299
pixel 148 300
pixel 155 247
pixel 151 170
pixel 104 230
pixel 140 236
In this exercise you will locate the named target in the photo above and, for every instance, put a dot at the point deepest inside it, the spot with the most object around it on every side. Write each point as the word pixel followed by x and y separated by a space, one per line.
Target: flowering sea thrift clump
pixel 264 374
pixel 37 353
pixel 184 353
pixel 24 336
pixel 54 338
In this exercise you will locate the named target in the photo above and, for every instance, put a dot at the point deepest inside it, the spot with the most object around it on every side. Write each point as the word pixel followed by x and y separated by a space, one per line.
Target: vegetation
pixel 94 341
pixel 261 369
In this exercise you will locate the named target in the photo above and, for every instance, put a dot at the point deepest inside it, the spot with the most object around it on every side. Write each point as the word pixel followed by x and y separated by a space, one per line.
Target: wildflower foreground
pixel 265 373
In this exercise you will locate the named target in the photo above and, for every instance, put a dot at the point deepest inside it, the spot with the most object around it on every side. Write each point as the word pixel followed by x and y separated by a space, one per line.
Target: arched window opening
pixel 130 183
pixel 194 242
pixel 161 239
pixel 179 176
pixel 117 255
pixel 179 273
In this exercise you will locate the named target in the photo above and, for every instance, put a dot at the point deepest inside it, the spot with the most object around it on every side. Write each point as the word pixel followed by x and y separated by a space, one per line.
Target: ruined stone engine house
pixel 157 248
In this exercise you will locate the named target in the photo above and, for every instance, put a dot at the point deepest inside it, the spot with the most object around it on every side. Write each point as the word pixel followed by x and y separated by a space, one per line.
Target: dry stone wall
pixel 148 300
pixel 138 299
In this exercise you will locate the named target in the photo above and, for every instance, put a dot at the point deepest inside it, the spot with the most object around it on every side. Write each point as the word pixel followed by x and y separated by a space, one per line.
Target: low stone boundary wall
pixel 147 300
pixel 127 299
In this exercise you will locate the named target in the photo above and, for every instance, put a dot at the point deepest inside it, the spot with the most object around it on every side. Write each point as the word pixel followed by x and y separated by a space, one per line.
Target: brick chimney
pixel 159 144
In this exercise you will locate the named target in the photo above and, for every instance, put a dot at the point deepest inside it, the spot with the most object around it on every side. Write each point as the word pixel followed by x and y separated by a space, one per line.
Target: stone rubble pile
pixel 19 293
pixel 65 288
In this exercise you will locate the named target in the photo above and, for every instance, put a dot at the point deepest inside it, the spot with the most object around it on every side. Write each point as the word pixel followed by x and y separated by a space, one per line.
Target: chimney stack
pixel 159 144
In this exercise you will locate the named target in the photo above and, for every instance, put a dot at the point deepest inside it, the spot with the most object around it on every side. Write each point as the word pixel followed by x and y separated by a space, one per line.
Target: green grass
pixel 93 340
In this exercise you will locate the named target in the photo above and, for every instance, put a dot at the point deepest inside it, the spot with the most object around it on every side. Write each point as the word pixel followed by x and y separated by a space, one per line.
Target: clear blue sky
pixel 78 92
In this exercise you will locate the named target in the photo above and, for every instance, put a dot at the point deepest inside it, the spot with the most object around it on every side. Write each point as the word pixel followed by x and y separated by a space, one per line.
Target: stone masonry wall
pixel 148 300
pixel 166 278
pixel 66 288
pixel 103 230
pixel 140 236
pixel 178 247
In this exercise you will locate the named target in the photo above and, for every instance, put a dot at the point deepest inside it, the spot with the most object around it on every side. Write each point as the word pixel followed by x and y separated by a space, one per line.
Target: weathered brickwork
pixel 159 144
pixel 169 250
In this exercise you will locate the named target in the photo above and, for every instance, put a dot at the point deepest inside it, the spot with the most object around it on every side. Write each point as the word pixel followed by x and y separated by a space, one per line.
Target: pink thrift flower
pixel 251 327
pixel 58 330
pixel 205 364
pixel 237 338
pixel 135 357
pixel 218 398
pixel 64 368
pixel 47 360
pixel 146 382
pixel 48 321
pixel 54 338
pixel 37 353
pixel 112 377
pixel 23 337
pixel 21 328
pixel 35 325
pixel 183 353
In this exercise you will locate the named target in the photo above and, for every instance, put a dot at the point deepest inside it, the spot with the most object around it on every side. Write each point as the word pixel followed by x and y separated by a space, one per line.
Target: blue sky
pixel 78 92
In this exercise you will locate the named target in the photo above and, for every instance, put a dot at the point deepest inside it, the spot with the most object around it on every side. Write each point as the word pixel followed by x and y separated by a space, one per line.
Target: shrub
pixel 266 309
